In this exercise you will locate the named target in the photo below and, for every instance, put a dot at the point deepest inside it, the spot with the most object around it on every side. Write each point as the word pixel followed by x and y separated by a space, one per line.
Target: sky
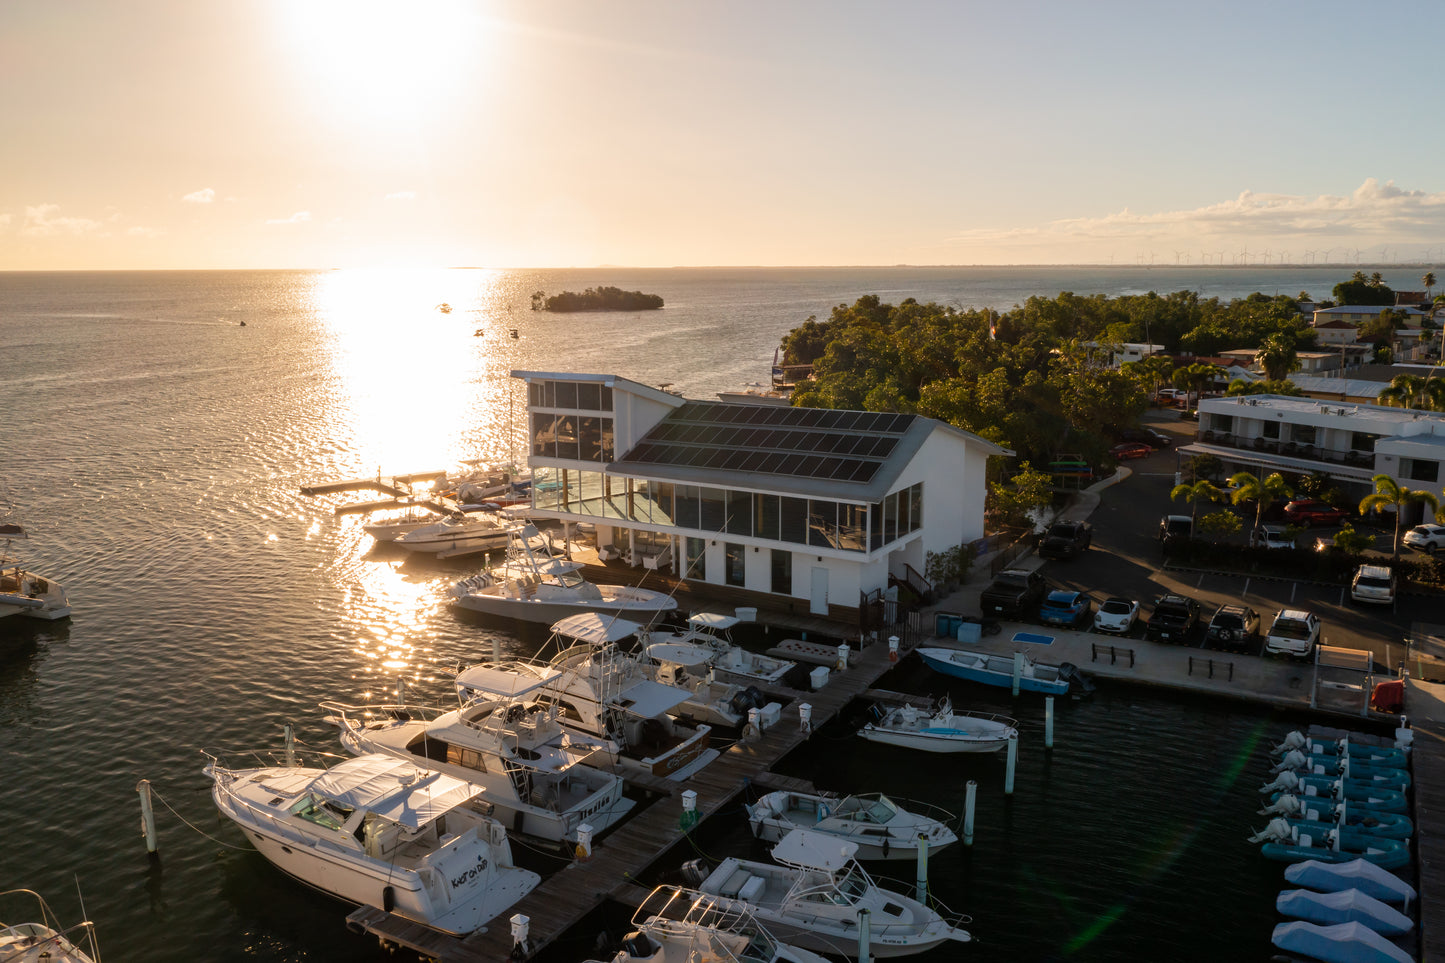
pixel 177 134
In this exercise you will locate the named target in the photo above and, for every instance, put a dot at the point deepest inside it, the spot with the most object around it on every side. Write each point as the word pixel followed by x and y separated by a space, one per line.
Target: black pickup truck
pixel 1174 619
pixel 1066 540
pixel 1014 592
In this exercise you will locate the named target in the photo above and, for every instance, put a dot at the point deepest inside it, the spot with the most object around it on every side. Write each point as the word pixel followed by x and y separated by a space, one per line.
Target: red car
pixel 1130 449
pixel 1307 512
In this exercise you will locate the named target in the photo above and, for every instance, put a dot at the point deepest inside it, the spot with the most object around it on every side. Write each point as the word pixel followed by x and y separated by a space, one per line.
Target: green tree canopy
pixel 1391 494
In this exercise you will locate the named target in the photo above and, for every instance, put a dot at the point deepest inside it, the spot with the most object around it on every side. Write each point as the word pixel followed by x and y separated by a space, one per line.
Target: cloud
pixel 300 217
pixel 203 196
pixel 139 231
pixel 42 221
pixel 402 196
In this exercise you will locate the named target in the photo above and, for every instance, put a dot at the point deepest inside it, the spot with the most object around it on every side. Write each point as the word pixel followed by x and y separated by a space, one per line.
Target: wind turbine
pixel 1265 255
pixel 1309 256
pixel 1328 252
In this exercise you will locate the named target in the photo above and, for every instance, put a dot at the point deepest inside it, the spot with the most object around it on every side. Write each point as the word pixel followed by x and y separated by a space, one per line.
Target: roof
pixel 816 451
pixel 594 629
pixel 611 381
pixel 804 848
pixel 393 788
pixel 1368 309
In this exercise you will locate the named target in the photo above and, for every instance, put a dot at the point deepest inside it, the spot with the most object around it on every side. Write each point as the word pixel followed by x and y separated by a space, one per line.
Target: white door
pixel 819 600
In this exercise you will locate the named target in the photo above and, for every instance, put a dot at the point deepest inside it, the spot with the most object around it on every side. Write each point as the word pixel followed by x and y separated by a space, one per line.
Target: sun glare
pixel 383 60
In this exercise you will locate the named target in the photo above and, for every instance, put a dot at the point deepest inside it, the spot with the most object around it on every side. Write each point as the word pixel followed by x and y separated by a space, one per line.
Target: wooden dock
pixel 621 856
pixel 1428 766
pixel 397 486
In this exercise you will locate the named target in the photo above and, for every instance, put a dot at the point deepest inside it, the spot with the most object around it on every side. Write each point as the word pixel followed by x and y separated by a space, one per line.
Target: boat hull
pixel 933 740
pixel 993 670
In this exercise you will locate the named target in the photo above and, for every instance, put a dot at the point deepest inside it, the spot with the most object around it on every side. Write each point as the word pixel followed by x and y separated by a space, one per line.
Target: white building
pixel 1349 442
pixel 806 503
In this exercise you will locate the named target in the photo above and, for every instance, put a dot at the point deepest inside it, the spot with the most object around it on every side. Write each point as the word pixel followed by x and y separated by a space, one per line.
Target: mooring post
pixel 520 926
pixel 147 814
pixel 842 656
pixel 496 648
pixel 1048 722
pixel 922 888
pixel 584 842
pixel 1018 671
pixel 863 936
pixel 805 717
pixel 1013 758
pixel 968 808
pixel 892 648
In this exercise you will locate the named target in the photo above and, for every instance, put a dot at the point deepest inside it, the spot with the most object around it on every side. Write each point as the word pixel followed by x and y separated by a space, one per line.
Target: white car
pixel 1425 538
pixel 1293 632
pixel 1374 583
pixel 1116 616
pixel 1270 536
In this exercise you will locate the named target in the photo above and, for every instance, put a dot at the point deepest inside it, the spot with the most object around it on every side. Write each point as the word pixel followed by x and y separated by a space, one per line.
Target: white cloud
pixel 42 221
pixel 300 217
pixel 402 196
pixel 203 196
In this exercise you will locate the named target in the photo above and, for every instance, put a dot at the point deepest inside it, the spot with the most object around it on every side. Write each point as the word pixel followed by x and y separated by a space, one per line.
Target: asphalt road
pixel 1126 561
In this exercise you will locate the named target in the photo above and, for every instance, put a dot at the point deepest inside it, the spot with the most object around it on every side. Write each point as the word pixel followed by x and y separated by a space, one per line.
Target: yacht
pixel 23 592
pixel 460 533
pixel 881 828
pixel 600 690
pixel 531 769
pixel 534 586
pixel 707 643
pixel 677 925
pixel 812 896
pixel 377 831
pixel 30 932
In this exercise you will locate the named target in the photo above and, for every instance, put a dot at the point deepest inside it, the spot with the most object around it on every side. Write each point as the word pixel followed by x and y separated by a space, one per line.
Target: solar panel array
pixel 775 440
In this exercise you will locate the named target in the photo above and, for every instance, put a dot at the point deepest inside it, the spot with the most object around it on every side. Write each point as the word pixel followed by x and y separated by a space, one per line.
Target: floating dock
pixel 397 486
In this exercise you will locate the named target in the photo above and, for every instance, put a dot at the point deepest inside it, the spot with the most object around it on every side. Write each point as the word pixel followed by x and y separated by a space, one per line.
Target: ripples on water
pixel 156 448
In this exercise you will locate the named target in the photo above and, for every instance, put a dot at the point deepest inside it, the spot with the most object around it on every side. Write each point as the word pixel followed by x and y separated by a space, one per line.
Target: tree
pixel 1358 290
pixel 1241 387
pixel 1026 492
pixel 1391 493
pixel 1194 377
pixel 1199 491
pixel 1429 281
pixel 1349 540
pixel 1412 391
pixel 1200 467
pixel 1222 522
pixel 1277 356
pixel 1248 488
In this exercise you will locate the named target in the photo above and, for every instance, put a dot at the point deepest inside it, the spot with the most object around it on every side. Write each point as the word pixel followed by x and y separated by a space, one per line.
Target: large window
pixel 714 510
pixel 696 559
pixel 687 501
pixel 740 513
pixel 1302 434
pixel 794 527
pixel 1419 469
pixel 766 516
pixel 736 560
pixel 822 524
pixel 1362 441
pixel 1269 429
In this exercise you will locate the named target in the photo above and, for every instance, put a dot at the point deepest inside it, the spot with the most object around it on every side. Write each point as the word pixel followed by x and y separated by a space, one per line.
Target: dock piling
pixel 1048 722
pixel 922 887
pixel 147 814
pixel 969 806
pixel 863 935
pixel 1013 758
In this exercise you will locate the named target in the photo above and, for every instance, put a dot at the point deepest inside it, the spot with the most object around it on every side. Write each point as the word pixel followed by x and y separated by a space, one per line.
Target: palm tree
pixel 1194 377
pixel 1202 490
pixel 1404 391
pixel 1265 493
pixel 1429 281
pixel 1277 356
pixel 1392 493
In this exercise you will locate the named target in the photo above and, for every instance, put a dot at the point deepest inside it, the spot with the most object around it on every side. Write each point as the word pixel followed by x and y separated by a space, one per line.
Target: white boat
pixel 377 831
pixel 941 730
pixel 461 533
pixel 23 592
pixel 707 643
pixel 30 932
pixel 600 690
pixel 813 895
pixel 876 824
pixel 530 767
pixel 1340 943
pixel 386 525
pixel 711 700
pixel 676 925
pixel 534 586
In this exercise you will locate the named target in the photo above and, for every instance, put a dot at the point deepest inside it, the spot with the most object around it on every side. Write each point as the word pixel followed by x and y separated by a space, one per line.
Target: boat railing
pixel 917 807
pixel 986 717
pixel 950 918
pixel 394 713
pixel 78 934
pixel 235 760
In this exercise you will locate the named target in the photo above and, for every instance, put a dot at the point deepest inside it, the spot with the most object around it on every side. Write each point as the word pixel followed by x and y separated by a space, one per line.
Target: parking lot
pixel 1126 560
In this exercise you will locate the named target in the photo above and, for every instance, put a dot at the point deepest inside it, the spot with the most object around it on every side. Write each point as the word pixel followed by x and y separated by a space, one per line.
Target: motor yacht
pixel 460 533
pixel 26 593
pixel 677 925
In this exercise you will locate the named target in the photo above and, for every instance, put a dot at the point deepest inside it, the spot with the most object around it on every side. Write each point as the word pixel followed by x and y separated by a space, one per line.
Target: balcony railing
pixel 1289 449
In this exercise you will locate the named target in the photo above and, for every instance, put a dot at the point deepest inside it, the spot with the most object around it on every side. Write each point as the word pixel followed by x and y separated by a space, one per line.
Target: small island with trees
pixel 596 299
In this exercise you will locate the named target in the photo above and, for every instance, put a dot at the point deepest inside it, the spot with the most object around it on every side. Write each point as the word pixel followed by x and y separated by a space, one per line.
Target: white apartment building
pixel 810 504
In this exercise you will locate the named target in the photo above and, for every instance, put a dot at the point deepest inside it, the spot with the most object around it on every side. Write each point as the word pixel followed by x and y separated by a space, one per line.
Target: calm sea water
pixel 155 446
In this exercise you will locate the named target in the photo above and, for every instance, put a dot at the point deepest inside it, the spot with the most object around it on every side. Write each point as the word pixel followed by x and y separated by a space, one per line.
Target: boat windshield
pixel 570 579
pixel 882 810
pixel 853 886
pixel 321 812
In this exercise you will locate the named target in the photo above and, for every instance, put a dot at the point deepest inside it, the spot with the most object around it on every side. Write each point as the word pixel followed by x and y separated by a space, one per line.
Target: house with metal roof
pixel 806 503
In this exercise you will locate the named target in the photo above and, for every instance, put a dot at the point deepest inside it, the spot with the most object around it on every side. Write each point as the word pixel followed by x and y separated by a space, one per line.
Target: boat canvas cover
pixel 1360 874
pixel 711 620
pixel 1341 943
pixel 594 629
pixel 809 850
pixel 1346 906
pixel 393 789
pixel 679 653
pixel 649 699
pixel 504 679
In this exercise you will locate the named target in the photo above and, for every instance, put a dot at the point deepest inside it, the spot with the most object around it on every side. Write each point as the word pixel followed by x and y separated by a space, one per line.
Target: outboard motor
pixel 1079 682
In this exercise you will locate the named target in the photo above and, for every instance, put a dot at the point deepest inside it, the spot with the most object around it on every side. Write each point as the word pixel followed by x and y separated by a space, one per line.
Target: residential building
pixel 815 505
pixel 1360 313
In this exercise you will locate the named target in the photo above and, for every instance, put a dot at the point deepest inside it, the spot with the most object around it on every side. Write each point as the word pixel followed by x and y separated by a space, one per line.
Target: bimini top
pixel 711 620
pixel 393 788
pixel 806 849
pixel 594 629
pixel 507 680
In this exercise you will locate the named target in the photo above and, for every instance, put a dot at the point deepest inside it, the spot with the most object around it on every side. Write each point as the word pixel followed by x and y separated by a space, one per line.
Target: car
pixel 1152 437
pixel 1066 540
pixel 1171 526
pixel 1425 538
pixel 1174 619
pixel 1373 583
pixel 1065 608
pixel 1308 511
pixel 1116 616
pixel 1293 632
pixel 1233 626
pixel 1270 536
pixel 1013 592
pixel 1130 449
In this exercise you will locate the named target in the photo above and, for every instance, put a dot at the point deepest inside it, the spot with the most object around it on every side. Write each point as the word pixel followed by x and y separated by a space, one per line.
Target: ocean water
pixel 155 447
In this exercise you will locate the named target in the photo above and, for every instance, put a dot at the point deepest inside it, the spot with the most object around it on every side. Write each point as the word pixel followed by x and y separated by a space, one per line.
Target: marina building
pixel 815 505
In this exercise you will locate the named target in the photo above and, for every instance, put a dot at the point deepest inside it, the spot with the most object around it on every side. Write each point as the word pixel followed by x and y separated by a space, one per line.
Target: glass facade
pixel 582 431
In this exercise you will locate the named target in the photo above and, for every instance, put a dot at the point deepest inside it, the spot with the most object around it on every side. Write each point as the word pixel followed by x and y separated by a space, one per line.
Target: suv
pixel 1293 632
pixel 1270 536
pixel 1374 583
pixel 1152 437
pixel 1066 540
pixel 1307 511
pixel 1234 626
pixel 1426 538
pixel 1172 526
pixel 1173 620
pixel 1013 592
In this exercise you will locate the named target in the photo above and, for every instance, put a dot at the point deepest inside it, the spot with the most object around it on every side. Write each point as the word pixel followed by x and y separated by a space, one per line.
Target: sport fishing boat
pixel 876 824
pixel 939 730
pixel 599 690
pixel 377 831
pixel 677 925
pixel 30 932
pixel 23 592
pixel 998 670
pixel 532 769
pixel 534 586
pixel 707 644
pixel 812 895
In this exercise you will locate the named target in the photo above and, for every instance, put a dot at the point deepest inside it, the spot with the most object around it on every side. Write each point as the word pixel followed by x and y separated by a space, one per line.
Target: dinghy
pixel 1370 755
pixel 1390 777
pixel 998 670
pixel 1341 943
pixel 1359 874
pixel 1360 793
pixel 1316 811
pixel 1346 906
pixel 1288 844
